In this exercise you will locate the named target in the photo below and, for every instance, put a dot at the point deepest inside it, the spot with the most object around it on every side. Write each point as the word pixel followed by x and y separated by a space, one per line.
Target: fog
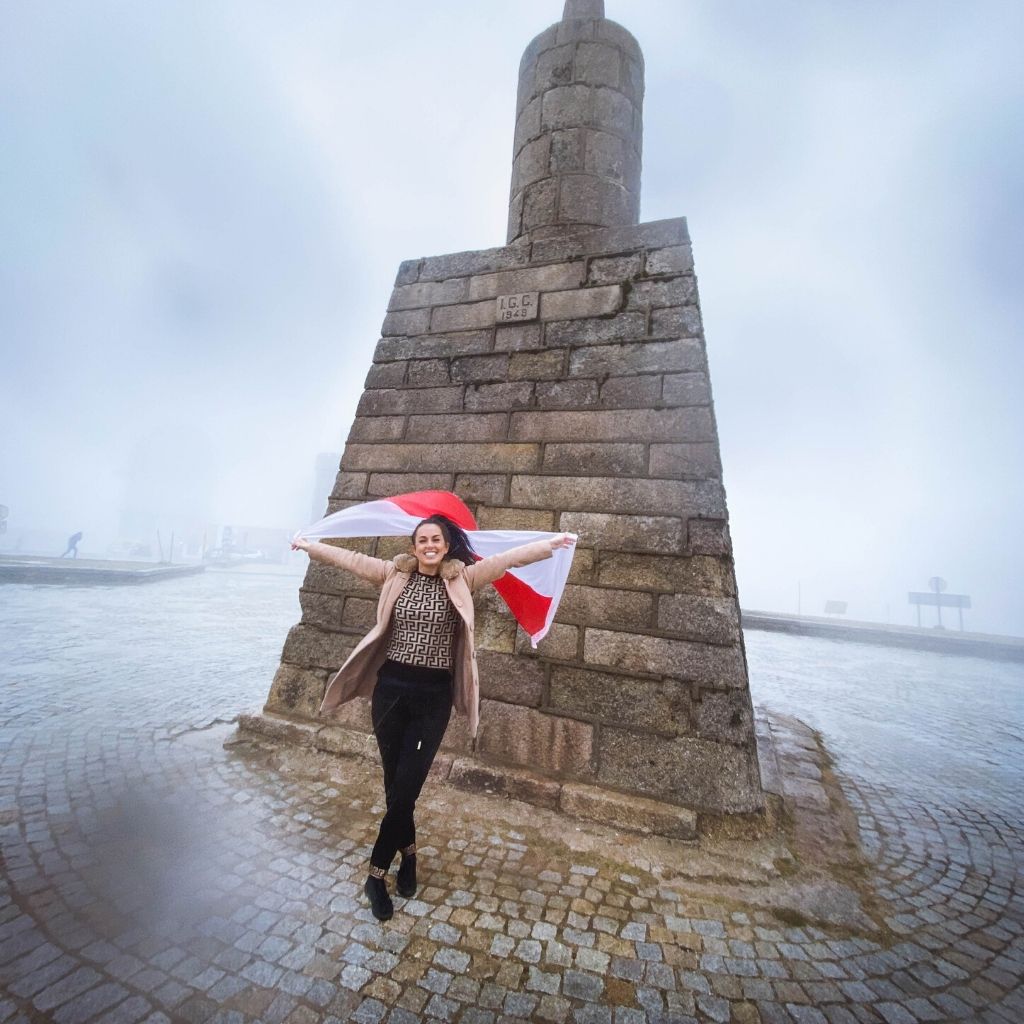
pixel 202 209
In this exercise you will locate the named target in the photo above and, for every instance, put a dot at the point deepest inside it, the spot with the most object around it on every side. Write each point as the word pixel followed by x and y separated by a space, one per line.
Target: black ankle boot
pixel 407 874
pixel 376 890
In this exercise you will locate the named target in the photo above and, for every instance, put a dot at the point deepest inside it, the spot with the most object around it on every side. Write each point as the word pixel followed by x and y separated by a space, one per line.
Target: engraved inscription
pixel 517 307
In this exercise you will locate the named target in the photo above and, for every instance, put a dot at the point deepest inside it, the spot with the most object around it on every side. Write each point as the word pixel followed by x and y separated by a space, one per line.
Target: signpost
pixel 939 600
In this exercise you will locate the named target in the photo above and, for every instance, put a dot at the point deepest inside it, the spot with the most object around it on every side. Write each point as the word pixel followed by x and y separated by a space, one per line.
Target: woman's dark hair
pixel 454 536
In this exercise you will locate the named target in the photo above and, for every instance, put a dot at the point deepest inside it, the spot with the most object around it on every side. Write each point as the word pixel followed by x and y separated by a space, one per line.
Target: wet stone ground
pixel 150 874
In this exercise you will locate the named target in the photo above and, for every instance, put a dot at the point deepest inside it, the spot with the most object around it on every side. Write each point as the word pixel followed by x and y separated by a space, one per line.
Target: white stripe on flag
pixel 371 519
pixel 383 518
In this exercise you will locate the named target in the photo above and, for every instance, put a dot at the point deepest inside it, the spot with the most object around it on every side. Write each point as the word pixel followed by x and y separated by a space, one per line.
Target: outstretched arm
pixel 363 566
pixel 487 570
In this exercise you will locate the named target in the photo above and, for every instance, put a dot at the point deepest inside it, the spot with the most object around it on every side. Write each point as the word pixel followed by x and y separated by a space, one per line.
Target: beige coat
pixel 358 676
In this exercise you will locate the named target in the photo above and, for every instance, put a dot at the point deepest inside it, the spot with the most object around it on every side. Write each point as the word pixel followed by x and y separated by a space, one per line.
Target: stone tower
pixel 576 159
pixel 560 382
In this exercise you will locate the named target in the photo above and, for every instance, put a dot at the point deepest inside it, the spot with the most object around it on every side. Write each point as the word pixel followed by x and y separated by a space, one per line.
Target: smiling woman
pixel 423 645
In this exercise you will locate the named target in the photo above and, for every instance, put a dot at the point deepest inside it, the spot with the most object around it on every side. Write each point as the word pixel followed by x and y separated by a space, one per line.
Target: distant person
pixel 72 548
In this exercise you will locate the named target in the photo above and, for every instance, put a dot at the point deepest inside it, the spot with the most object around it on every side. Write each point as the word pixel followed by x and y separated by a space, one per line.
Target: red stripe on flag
pixel 529 607
pixel 428 503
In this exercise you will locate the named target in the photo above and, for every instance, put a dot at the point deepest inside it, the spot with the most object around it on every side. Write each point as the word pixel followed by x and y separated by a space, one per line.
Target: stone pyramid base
pixel 628 812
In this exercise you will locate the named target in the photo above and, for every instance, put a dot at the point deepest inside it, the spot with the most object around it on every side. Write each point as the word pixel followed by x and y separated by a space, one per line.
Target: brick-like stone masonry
pixel 590 414
pixel 595 418
pixel 578 137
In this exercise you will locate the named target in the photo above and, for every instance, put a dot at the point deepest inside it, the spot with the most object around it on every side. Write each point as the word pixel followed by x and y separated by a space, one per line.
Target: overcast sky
pixel 203 207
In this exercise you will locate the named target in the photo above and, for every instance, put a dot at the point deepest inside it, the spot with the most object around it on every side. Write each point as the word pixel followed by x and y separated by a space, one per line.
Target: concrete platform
pixel 37 569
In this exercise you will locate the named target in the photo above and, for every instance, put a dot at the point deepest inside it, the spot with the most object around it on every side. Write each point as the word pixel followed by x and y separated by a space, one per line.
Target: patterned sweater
pixel 423 624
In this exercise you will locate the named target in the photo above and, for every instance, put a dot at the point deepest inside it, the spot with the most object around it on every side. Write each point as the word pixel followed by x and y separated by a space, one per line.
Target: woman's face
pixel 429 547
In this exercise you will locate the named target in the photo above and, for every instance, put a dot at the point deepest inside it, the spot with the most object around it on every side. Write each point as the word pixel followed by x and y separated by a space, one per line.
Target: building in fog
pixel 324 476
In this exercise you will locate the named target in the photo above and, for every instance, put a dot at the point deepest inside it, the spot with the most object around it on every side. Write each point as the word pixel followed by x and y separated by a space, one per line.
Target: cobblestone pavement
pixel 148 874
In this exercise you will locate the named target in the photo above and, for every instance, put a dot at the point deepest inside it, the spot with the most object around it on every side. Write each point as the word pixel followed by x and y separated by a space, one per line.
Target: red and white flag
pixel 532 592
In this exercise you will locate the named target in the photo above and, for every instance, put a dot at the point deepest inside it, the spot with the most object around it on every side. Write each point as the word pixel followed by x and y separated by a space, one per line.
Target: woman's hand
pixel 301 544
pixel 563 540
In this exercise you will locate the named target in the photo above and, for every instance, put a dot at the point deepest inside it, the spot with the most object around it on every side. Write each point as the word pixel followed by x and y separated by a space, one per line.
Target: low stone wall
pixel 947 641
pixel 87 572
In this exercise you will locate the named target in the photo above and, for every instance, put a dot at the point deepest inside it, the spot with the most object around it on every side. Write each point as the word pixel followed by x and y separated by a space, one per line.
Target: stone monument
pixel 560 382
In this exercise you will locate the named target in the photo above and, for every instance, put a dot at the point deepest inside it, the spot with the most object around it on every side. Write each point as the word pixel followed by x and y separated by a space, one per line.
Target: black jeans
pixel 409 719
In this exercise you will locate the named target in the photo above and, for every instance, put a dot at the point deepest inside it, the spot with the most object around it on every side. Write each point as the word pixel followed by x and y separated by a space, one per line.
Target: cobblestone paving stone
pixel 149 875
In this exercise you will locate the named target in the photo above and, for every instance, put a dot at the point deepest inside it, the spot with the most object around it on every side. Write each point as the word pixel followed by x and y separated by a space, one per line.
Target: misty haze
pixel 615 464
pixel 203 210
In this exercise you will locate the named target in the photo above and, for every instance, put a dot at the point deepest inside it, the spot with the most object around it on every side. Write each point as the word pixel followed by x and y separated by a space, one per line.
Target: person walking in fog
pixel 416 663
pixel 72 548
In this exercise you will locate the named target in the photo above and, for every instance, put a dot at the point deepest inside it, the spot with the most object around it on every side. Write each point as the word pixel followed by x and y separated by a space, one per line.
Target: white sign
pixel 517 307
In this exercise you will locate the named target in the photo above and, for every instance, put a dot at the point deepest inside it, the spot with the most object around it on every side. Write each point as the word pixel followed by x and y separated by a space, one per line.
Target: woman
pixel 415 664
